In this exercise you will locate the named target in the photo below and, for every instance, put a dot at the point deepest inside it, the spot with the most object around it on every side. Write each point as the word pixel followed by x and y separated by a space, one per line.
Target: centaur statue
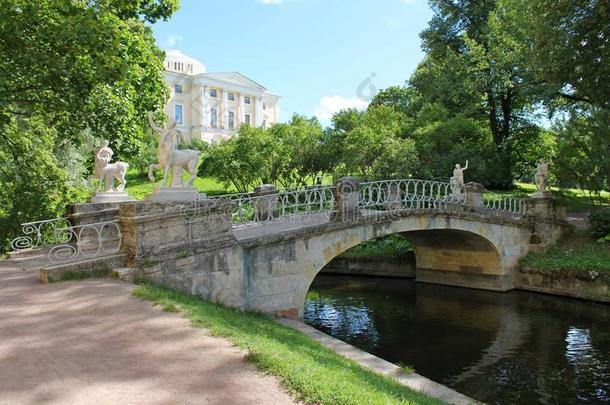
pixel 106 172
pixel 170 157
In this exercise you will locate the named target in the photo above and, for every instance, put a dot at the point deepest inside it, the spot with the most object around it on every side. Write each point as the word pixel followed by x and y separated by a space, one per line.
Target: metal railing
pixel 250 207
pixel 503 203
pixel 39 234
pixel 88 241
pixel 409 194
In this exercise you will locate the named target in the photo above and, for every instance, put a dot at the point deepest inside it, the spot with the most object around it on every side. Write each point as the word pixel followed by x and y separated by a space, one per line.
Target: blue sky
pixel 318 55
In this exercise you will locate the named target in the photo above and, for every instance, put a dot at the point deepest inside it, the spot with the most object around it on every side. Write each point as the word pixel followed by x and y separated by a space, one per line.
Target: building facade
pixel 212 106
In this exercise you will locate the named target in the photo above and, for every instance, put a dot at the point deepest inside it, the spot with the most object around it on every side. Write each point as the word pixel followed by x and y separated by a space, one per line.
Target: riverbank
pixel 577 266
pixel 308 370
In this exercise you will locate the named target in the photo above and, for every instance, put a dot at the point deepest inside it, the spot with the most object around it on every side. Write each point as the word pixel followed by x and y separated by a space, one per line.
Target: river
pixel 502 348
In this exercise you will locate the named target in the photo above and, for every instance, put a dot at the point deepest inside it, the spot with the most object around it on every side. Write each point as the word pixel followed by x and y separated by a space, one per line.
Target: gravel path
pixel 91 342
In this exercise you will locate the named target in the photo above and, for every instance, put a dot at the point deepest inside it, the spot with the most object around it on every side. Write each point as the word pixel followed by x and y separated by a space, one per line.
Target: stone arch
pixel 470 253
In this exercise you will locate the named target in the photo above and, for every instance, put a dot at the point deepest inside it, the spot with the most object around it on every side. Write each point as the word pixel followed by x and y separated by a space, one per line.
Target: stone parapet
pixel 346 195
pixel 152 230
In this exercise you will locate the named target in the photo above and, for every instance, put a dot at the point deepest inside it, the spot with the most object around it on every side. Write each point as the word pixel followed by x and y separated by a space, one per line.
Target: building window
pixel 178 113
pixel 247 100
pixel 214 118
pixel 231 120
pixel 213 93
pixel 231 96
pixel 247 119
pixel 264 106
pixel 178 89
pixel 264 123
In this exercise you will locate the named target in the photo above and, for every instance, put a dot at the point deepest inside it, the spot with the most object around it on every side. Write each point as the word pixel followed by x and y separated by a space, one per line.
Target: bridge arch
pixel 457 251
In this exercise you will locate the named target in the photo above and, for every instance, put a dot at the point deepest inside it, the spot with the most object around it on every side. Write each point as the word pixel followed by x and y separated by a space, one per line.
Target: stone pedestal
pixel 347 197
pixel 544 206
pixel 394 201
pixel 543 194
pixel 92 213
pixel 178 194
pixel 110 197
pixel 474 195
pixel 265 202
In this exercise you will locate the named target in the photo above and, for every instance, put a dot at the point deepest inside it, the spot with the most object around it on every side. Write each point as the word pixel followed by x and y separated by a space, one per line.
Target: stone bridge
pixel 261 251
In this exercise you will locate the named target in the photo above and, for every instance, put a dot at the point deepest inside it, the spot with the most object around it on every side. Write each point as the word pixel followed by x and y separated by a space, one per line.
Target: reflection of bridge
pixel 261 251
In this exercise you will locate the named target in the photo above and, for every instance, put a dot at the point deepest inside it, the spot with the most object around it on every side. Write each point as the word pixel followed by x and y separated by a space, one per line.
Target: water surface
pixel 503 348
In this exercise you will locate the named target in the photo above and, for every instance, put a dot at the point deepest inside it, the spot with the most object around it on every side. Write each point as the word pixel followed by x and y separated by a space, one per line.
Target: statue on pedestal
pixel 106 172
pixel 542 176
pixel 457 180
pixel 170 157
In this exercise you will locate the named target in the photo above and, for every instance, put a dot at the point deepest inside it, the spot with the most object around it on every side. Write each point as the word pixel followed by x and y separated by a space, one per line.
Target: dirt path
pixel 91 342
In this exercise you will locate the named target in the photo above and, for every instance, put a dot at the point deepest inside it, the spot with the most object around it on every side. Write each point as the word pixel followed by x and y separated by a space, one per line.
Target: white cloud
pixel 270 1
pixel 329 105
pixel 174 39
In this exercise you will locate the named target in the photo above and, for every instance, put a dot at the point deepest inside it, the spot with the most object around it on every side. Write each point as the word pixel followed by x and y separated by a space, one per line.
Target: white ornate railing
pixel 260 208
pixel 88 241
pixel 503 203
pixel 409 194
pixel 44 233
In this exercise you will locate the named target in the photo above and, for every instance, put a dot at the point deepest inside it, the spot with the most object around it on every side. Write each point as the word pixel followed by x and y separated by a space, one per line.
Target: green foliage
pixel 289 155
pixel 583 150
pixel 73 72
pixel 308 370
pixel 34 184
pixel 390 246
pixel 600 223
pixel 577 253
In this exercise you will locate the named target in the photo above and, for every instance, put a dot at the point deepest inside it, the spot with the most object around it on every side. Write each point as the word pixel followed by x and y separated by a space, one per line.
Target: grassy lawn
pixel 574 200
pixel 391 246
pixel 139 186
pixel 578 251
pixel 308 370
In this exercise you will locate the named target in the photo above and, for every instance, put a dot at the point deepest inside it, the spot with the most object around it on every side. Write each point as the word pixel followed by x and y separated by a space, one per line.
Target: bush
pixel 600 223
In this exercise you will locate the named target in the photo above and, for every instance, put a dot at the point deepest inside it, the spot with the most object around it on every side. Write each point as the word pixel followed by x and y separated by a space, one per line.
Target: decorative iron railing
pixel 88 241
pixel 503 203
pixel 250 207
pixel 409 194
pixel 44 233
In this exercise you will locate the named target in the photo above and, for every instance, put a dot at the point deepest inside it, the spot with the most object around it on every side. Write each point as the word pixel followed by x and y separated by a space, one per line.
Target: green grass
pixel 138 186
pixel 309 371
pixel 577 251
pixel 573 199
pixel 391 246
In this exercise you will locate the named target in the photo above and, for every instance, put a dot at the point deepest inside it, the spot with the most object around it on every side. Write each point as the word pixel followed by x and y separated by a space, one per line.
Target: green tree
pixel 72 70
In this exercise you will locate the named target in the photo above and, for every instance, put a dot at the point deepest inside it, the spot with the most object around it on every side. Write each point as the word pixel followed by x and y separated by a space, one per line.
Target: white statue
pixel 106 172
pixel 542 176
pixel 170 157
pixel 457 181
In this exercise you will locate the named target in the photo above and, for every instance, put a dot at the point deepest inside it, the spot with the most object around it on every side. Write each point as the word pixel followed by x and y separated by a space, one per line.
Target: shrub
pixel 600 223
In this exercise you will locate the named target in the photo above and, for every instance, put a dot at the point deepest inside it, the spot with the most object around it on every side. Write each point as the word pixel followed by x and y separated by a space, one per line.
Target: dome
pixel 176 61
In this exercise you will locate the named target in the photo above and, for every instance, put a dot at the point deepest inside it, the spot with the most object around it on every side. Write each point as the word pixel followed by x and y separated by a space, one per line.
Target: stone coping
pixel 412 380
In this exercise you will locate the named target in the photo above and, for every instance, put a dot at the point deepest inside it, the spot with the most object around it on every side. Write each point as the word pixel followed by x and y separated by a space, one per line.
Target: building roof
pixel 176 61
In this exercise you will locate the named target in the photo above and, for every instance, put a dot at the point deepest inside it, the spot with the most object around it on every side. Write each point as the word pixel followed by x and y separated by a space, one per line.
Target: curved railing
pixel 44 233
pixel 88 241
pixel 250 207
pixel 409 194
pixel 503 203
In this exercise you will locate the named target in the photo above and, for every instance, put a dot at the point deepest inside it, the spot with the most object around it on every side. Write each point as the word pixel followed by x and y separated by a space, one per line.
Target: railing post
pixel 545 207
pixel 474 195
pixel 265 202
pixel 347 198
pixel 394 200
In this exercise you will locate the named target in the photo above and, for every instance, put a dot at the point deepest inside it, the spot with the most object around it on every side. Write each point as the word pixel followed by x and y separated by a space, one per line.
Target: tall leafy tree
pixel 71 70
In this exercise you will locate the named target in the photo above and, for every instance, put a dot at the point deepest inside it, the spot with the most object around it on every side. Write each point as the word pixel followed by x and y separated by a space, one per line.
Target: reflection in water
pixel 508 348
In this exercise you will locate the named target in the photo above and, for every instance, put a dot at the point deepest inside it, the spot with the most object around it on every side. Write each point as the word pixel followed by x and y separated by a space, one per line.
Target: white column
pixel 225 109
pixel 204 105
pixel 259 112
pixel 242 109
